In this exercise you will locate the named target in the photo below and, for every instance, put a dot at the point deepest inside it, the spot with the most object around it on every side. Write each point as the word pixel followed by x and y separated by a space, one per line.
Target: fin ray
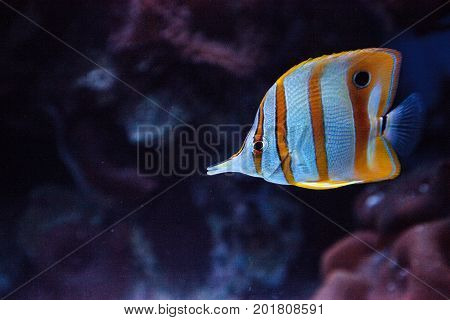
pixel 404 124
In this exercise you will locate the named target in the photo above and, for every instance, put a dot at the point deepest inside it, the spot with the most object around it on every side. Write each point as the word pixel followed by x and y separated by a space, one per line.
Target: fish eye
pixel 361 79
pixel 258 146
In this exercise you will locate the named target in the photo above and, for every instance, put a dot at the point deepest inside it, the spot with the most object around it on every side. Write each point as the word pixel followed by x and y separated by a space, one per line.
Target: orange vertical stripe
pixel 317 122
pixel 379 64
pixel 359 99
pixel 281 132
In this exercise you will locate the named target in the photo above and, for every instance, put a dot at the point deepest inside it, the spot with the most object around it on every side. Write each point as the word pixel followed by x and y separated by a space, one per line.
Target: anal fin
pixel 325 185
pixel 382 162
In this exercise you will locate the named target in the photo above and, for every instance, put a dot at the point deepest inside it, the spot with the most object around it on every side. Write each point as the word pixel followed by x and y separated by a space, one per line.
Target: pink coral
pixel 416 267
pixel 168 23
pixel 419 196
pixel 404 255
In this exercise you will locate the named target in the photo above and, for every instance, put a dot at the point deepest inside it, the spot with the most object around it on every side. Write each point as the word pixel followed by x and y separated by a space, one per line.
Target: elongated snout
pixel 231 165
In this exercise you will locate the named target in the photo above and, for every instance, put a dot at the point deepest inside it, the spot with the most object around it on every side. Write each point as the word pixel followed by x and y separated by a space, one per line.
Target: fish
pixel 328 122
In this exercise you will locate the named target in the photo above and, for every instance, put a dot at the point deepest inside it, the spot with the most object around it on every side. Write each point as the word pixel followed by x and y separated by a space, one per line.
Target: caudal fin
pixel 404 125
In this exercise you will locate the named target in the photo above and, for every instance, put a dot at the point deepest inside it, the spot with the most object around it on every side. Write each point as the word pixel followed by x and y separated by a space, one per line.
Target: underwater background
pixel 68 154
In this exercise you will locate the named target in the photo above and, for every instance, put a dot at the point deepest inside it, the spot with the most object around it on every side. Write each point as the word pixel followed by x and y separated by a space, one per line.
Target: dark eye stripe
pixel 259 133
pixel 258 146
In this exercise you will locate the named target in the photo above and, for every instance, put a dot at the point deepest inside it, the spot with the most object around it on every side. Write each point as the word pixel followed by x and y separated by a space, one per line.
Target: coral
pixel 412 266
pixel 249 249
pixel 404 255
pixel 170 23
pixel 417 197
pixel 58 221
pixel 69 144
pixel 92 152
pixel 254 242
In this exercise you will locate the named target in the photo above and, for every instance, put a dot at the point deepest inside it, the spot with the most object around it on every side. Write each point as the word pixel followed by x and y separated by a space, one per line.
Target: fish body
pixel 325 123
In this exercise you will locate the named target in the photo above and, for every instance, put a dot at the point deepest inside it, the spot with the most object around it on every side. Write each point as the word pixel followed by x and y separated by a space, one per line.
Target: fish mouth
pixel 216 169
pixel 230 165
